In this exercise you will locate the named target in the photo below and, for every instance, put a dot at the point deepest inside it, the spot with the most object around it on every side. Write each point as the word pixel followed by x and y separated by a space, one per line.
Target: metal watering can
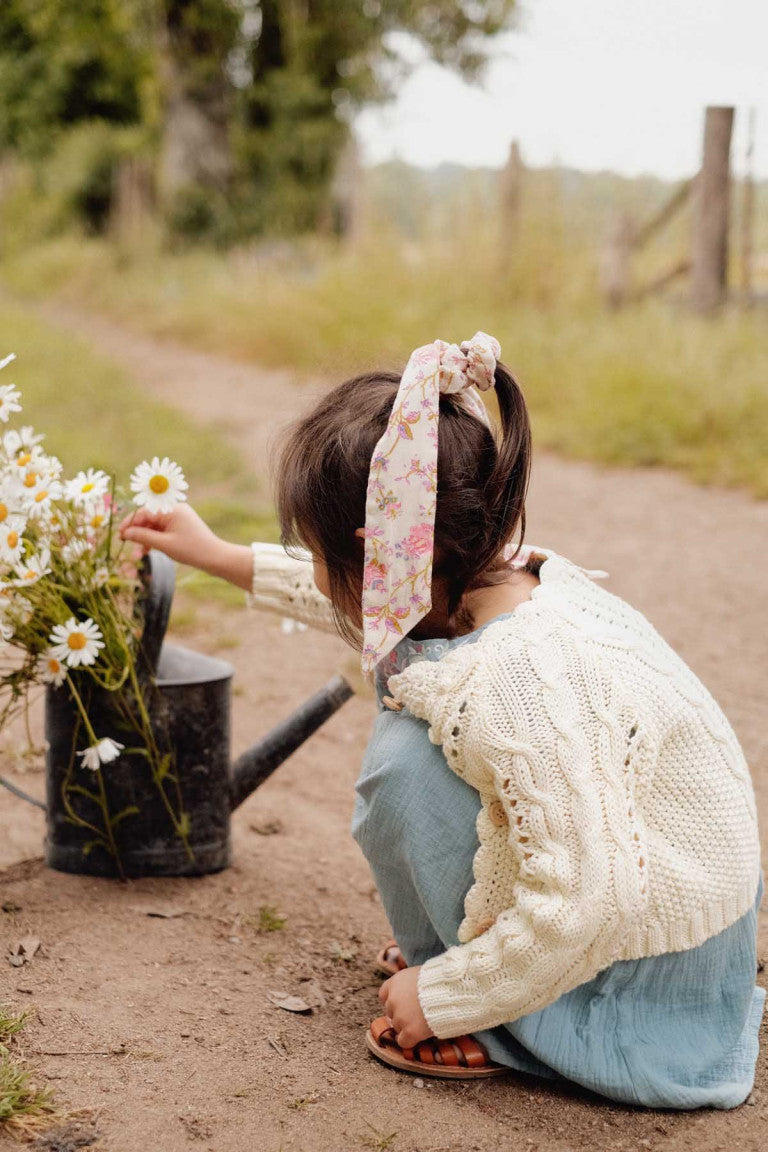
pixel 190 714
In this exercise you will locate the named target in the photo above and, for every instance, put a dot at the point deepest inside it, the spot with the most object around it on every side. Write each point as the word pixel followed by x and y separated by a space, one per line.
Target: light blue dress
pixel 673 1031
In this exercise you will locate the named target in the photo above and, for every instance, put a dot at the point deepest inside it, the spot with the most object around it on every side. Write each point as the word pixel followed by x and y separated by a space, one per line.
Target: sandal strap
pixel 383 1030
pixel 459 1051
pixel 475 1056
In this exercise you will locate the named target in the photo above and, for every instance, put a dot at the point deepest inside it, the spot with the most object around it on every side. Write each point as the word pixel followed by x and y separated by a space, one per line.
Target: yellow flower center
pixel 97 520
pixel 3 512
pixel 13 539
pixel 88 487
pixel 76 641
pixel 30 574
pixel 23 460
pixel 159 484
pixel 30 479
pixel 41 495
pixel 53 666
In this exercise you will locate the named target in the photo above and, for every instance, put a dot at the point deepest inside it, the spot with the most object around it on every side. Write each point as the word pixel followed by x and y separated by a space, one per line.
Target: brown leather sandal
pixel 460 1058
pixel 390 959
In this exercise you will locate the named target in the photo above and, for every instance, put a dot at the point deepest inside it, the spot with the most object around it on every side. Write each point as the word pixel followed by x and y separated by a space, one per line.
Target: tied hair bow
pixel 402 488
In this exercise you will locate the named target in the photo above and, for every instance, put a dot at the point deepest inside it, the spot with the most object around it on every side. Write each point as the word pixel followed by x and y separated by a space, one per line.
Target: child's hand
pixel 401 1003
pixel 181 534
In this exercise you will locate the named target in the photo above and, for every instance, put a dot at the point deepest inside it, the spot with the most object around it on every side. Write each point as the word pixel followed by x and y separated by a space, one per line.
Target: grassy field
pixel 94 416
pixel 652 385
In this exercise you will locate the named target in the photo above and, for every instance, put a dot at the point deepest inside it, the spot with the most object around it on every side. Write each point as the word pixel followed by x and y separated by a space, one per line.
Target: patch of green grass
pixel 267 920
pixel 25 1107
pixel 379 1141
pixel 10 1023
pixel 652 385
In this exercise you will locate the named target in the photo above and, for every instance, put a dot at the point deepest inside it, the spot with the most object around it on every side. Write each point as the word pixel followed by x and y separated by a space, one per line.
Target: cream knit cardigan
pixel 618 817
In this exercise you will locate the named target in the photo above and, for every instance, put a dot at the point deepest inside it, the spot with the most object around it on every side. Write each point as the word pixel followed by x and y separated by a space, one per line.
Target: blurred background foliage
pixel 185 167
pixel 241 107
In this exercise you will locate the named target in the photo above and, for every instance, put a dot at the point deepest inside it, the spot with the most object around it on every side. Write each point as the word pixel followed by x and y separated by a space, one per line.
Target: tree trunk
pixel 709 249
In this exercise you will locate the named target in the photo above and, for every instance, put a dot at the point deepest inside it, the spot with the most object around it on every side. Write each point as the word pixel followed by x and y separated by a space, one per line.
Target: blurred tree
pixel 247 101
pixel 66 61
pixel 304 66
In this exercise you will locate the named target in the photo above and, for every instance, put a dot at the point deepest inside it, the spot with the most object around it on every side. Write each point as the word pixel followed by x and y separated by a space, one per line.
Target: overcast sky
pixel 592 84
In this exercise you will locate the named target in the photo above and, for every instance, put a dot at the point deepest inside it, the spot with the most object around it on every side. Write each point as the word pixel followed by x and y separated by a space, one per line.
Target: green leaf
pixel 84 792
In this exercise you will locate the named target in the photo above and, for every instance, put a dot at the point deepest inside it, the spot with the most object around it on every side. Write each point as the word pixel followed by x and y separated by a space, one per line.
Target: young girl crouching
pixel 559 818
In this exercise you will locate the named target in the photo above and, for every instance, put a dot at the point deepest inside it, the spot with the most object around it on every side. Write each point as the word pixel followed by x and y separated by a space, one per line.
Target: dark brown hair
pixel 482 483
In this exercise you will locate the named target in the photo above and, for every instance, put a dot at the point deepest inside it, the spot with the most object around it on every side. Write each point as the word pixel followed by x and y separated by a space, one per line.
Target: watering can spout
pixel 254 766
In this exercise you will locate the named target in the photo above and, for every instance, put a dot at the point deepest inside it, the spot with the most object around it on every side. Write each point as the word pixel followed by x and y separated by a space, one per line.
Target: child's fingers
pixel 143 518
pixel 146 537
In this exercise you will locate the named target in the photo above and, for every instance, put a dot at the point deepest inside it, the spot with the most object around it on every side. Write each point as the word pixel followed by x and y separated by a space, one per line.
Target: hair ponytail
pixel 482 482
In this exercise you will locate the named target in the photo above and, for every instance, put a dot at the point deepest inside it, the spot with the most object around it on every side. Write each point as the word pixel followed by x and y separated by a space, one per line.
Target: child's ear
pixel 360 532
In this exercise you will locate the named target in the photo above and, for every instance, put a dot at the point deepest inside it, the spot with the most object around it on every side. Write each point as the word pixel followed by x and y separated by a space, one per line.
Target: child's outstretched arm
pixel 185 537
pixel 275 582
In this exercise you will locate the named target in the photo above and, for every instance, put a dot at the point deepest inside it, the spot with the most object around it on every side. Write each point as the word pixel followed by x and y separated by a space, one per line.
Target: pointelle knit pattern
pixel 618 818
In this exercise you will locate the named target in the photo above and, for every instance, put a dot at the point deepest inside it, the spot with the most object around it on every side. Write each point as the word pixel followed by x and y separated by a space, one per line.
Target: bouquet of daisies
pixel 70 610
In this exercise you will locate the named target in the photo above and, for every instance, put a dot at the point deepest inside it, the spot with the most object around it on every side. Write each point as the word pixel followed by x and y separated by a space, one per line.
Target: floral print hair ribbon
pixel 402 488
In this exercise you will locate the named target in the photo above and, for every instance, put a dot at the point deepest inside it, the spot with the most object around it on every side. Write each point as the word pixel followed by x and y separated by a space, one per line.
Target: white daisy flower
pixel 74 550
pixel 51 670
pixel 10 503
pixel 15 442
pixel 101 577
pixel 87 486
pixel 96 515
pixel 9 401
pixel 76 642
pixel 158 486
pixel 39 496
pixel 104 752
pixel 11 543
pixel 29 459
pixel 33 568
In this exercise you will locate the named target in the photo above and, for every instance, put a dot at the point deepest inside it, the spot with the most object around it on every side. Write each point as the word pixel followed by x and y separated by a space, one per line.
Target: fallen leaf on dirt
pixel 10 907
pixel 278 1047
pixel 288 1003
pixel 23 951
pixel 160 911
pixel 312 992
pixel 268 828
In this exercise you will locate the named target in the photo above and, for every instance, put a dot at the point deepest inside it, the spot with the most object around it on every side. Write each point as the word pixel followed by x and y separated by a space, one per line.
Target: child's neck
pixel 483 604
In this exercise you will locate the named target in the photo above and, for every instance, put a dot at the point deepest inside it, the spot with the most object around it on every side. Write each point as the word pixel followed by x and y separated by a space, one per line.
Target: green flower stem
pixel 154 752
pixel 103 805
pixel 154 762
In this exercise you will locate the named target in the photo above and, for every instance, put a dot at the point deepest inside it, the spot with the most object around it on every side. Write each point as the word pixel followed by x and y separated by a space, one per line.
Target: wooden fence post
pixel 615 269
pixel 748 213
pixel 510 197
pixel 709 242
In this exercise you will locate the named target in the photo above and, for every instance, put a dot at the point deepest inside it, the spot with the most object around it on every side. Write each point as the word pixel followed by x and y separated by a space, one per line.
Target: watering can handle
pixel 158 574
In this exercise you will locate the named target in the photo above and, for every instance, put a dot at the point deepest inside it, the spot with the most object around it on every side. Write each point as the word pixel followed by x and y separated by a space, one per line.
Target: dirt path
pixel 196 1055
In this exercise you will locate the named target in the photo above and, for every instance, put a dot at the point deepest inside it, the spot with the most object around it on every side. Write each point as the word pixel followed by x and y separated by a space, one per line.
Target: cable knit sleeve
pixel 284 585
pixel 538 778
